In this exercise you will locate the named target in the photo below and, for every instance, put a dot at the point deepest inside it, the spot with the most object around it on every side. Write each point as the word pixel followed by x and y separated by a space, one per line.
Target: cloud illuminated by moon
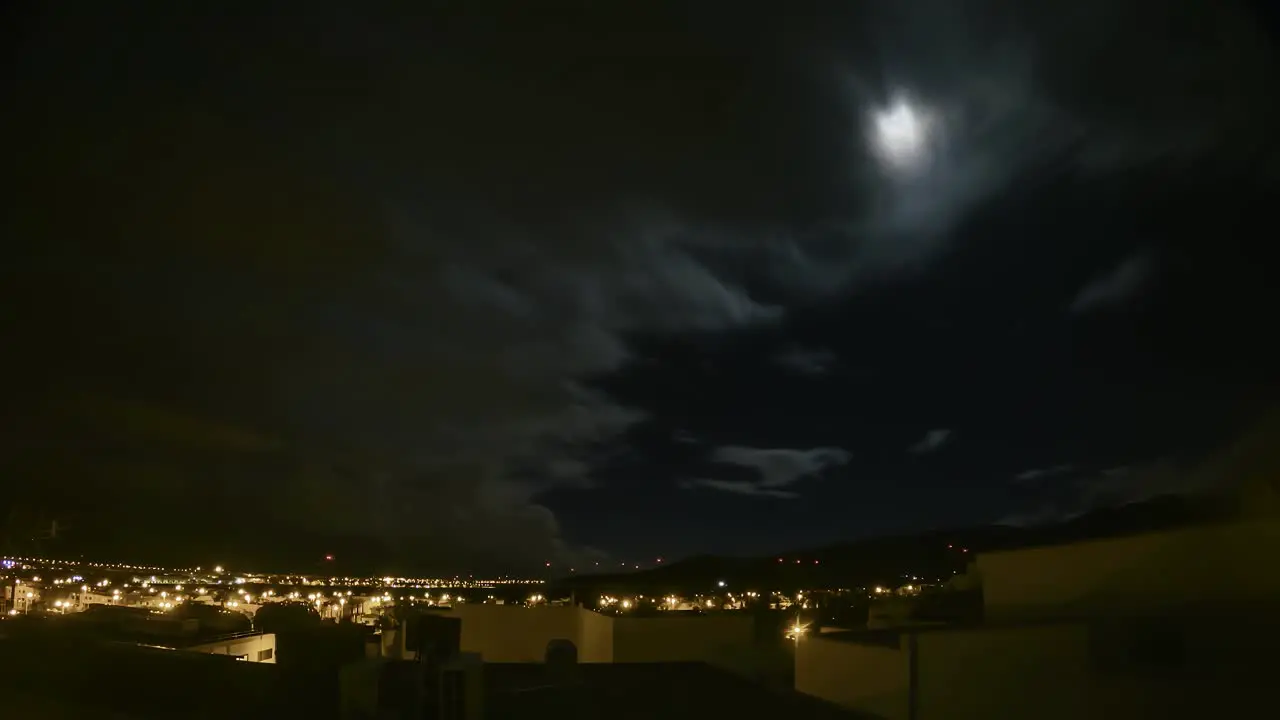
pixel 901 135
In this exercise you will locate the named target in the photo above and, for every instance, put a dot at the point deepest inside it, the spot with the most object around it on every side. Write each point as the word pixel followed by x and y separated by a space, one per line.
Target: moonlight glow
pixel 900 135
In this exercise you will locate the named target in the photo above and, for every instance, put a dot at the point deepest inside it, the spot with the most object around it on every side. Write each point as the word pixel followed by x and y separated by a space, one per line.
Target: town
pixel 879 360
pixel 1086 628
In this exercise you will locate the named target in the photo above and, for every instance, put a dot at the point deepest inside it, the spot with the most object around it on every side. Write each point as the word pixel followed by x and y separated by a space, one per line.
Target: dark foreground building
pixel 51 674
pixel 636 691
pixel 54 676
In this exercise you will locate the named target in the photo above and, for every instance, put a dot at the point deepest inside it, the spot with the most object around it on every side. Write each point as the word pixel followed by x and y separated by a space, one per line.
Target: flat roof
pixel 131 679
pixel 1242 612
pixel 627 691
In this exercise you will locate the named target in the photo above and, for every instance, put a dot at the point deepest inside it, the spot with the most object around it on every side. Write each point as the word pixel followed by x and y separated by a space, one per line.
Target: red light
pixel 964 549
pixel 779 559
pixel 659 559
pixel 815 562
pixel 949 547
pixel 548 564
pixel 797 562
pixel 328 557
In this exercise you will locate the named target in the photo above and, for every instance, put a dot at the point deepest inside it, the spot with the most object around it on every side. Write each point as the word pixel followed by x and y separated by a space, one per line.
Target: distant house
pixel 19 599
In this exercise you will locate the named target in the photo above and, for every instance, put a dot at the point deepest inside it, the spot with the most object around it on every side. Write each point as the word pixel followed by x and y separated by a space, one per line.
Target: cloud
pixel 741 488
pixel 427 399
pixel 1117 285
pixel 1113 487
pixel 774 468
pixel 1035 474
pixel 1015 93
pixel 931 442
pixel 807 361
pixel 398 307
pixel 136 419
pixel 1038 518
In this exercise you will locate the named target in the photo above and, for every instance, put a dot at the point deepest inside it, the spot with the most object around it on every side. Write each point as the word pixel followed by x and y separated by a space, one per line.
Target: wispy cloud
pixel 779 467
pixel 684 437
pixel 932 441
pixel 1040 517
pixel 775 468
pixel 806 361
pixel 1118 285
pixel 741 488
pixel 1035 474
pixel 1107 488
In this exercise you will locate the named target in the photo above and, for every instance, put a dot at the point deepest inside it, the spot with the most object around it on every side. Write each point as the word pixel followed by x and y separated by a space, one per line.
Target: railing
pixel 227 637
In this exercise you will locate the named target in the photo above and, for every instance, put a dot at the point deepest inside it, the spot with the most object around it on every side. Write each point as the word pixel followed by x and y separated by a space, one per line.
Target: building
pixel 400 676
pixel 1170 624
pixel 20 598
pixel 642 691
pixel 517 634
pixel 247 646
pixel 139 626
pixel 58 675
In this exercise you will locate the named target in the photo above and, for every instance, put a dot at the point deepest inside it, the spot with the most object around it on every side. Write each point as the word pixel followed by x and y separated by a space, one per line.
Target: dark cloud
pixel 741 488
pixel 1110 488
pixel 807 361
pixel 1242 466
pixel 774 468
pixel 1117 285
pixel 368 276
pixel 932 441
pixel 369 308
pixel 1037 474
pixel 684 438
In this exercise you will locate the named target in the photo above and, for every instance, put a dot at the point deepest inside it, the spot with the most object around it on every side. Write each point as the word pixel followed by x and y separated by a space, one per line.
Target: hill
pixel 897 560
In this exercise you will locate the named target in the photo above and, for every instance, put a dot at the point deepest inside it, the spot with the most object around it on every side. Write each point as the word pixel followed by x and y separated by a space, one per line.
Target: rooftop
pixel 60 674
pixel 622 691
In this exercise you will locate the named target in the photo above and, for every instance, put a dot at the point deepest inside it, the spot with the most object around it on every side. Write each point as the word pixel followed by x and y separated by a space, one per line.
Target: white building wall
pixel 253 648
pixel 513 634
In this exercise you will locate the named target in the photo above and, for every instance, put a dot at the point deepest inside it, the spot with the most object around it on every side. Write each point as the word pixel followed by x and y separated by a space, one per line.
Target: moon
pixel 900 135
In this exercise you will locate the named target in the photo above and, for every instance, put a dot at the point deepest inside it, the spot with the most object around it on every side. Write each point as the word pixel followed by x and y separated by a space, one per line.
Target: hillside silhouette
pixel 893 561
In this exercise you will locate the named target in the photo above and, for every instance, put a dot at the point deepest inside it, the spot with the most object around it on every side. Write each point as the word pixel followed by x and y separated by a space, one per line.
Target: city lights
pixel 364 599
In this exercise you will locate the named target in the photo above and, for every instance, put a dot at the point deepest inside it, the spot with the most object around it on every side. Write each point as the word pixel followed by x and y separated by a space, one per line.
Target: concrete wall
pixel 707 638
pixel 515 634
pixel 595 634
pixel 1037 672
pixel 863 677
pixel 249 646
pixel 1145 642
pixel 1121 669
pixel 1199 565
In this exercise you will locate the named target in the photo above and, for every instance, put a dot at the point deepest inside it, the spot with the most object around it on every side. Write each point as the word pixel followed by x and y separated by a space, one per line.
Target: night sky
pixel 484 287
